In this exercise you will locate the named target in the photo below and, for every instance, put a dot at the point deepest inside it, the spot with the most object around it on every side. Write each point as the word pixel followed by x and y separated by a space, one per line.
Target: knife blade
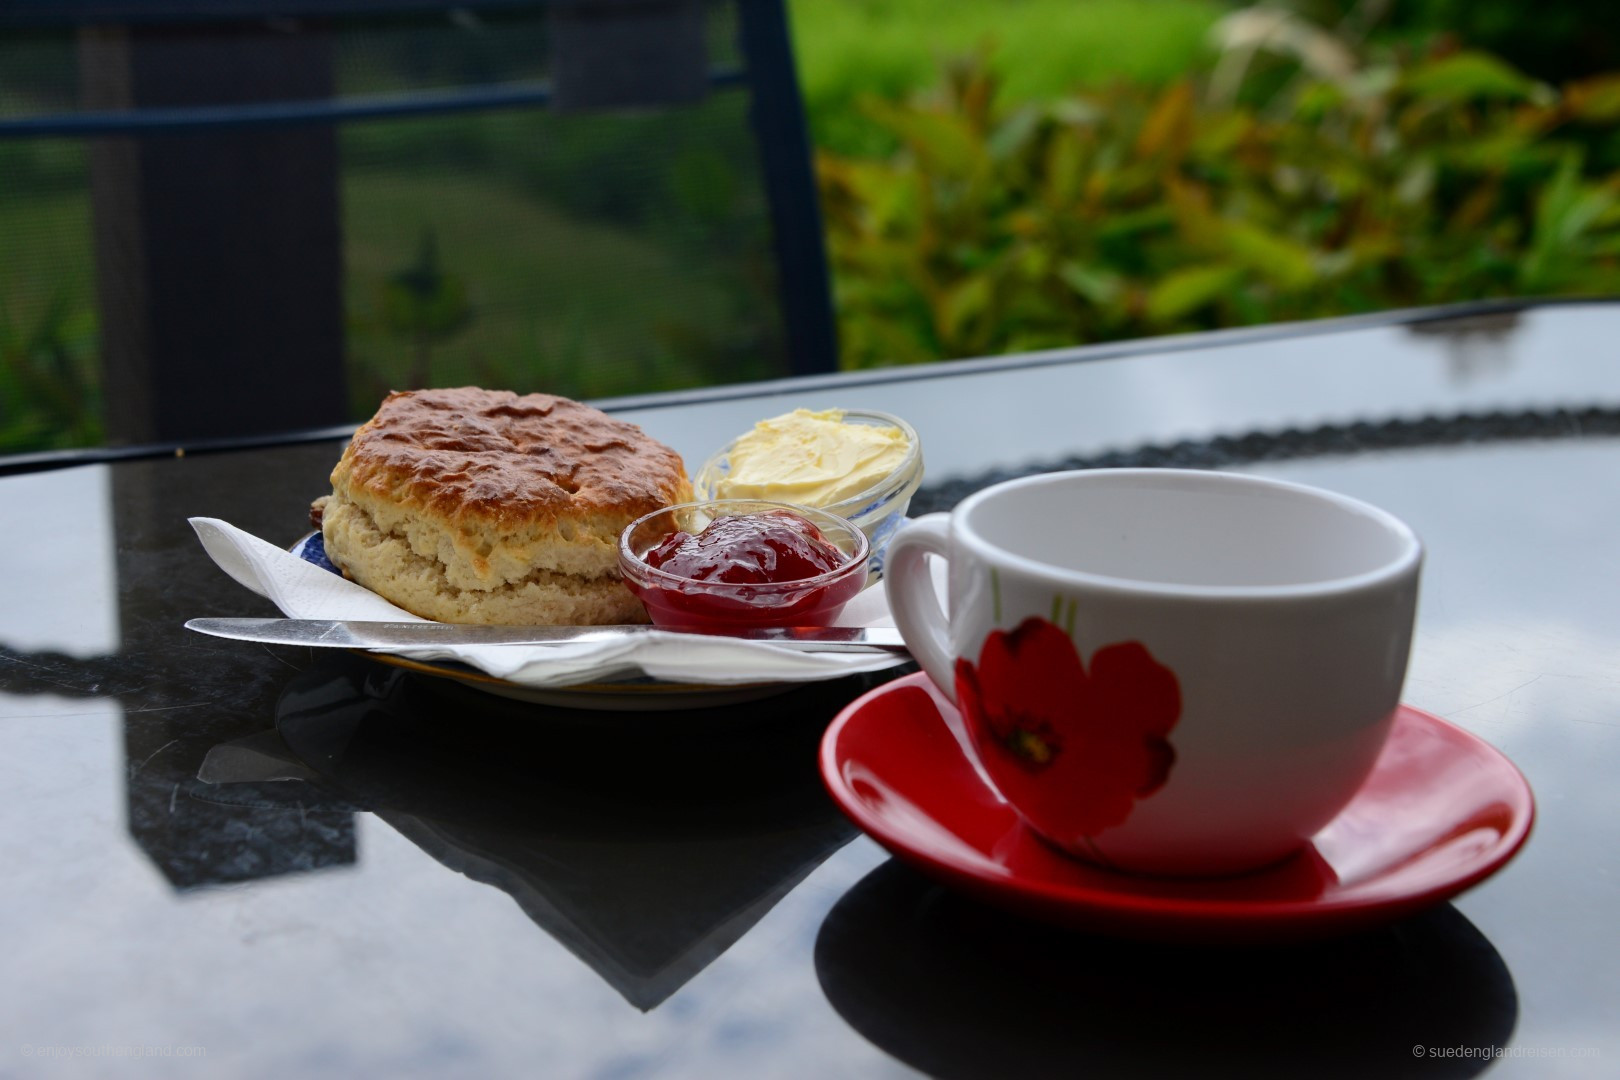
pixel 354 634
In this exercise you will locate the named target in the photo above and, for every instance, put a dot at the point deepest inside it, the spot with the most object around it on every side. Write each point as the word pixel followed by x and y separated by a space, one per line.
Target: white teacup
pixel 1166 671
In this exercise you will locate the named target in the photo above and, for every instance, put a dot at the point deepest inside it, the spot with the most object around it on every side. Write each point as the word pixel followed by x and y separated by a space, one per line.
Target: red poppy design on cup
pixel 1072 750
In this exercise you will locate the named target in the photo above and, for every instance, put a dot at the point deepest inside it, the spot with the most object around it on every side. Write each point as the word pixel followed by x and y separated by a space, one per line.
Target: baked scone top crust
pixel 493 459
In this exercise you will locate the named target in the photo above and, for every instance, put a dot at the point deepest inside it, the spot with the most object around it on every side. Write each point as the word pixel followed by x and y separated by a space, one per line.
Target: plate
pixel 631 694
pixel 1441 811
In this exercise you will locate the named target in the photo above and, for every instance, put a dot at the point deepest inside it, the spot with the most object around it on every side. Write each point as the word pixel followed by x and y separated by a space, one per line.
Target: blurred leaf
pixel 1278 259
pixel 1416 182
pixel 1012 135
pixel 1565 213
pixel 1476 208
pixel 1317 101
pixel 1100 287
pixel 1595 100
pixel 1063 170
pixel 942 142
pixel 961 304
pixel 1185 291
pixel 1220 135
pixel 1077 112
pixel 1168 129
pixel 1495 151
pixel 1467 76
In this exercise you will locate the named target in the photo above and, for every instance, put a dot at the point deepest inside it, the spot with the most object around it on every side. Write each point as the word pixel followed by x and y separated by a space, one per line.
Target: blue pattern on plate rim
pixel 312 549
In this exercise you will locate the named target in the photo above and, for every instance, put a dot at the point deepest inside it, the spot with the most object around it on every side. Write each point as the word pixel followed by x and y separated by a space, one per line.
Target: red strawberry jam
pixel 749 549
pixel 767 568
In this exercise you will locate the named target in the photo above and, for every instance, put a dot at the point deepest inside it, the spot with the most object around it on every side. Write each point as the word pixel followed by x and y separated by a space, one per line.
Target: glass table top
pixel 316 865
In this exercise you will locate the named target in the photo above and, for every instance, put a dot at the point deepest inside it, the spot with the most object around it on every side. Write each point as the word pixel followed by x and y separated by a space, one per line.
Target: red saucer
pixel 1441 811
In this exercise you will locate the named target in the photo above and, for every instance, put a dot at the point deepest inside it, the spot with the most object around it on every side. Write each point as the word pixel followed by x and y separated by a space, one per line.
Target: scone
pixel 479 506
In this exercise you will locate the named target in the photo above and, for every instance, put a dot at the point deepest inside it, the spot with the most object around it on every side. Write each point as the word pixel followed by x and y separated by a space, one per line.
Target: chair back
pixel 232 219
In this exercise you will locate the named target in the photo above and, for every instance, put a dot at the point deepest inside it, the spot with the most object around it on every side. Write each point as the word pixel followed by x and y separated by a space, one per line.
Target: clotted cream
pixel 811 458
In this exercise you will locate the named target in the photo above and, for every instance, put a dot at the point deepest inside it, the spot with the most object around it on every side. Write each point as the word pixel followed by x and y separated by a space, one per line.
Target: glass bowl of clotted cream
pixel 859 464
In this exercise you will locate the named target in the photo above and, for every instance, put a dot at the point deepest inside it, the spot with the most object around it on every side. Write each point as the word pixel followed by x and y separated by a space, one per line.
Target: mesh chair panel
pixel 267 223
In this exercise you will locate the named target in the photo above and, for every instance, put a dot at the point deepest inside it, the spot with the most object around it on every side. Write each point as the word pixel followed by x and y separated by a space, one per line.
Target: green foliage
pixel 1551 39
pixel 1128 211
pixel 48 389
pixel 852 52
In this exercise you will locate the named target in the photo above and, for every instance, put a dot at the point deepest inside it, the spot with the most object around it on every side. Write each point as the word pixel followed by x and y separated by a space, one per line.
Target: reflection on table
pixel 647 844
pixel 251 849
pixel 959 990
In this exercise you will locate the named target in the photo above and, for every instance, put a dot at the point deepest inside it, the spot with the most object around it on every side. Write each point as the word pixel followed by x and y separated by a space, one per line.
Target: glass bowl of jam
pixel 731 564
pixel 858 464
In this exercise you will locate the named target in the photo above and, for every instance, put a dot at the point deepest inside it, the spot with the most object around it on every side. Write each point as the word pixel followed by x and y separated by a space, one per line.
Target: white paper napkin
pixel 305 591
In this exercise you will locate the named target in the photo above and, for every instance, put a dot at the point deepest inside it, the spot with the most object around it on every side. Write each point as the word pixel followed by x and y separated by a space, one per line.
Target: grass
pixel 849 50
pixel 607 318
pixel 45 249
pixel 577 325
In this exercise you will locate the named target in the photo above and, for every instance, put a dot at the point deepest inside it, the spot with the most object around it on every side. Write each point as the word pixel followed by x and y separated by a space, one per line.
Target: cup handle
pixel 913 600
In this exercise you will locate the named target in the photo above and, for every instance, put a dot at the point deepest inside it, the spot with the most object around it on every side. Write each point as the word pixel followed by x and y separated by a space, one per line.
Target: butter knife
pixel 420 635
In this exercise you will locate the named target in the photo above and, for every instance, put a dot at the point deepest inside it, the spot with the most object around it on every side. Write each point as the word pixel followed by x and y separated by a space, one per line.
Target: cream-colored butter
pixel 811 458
